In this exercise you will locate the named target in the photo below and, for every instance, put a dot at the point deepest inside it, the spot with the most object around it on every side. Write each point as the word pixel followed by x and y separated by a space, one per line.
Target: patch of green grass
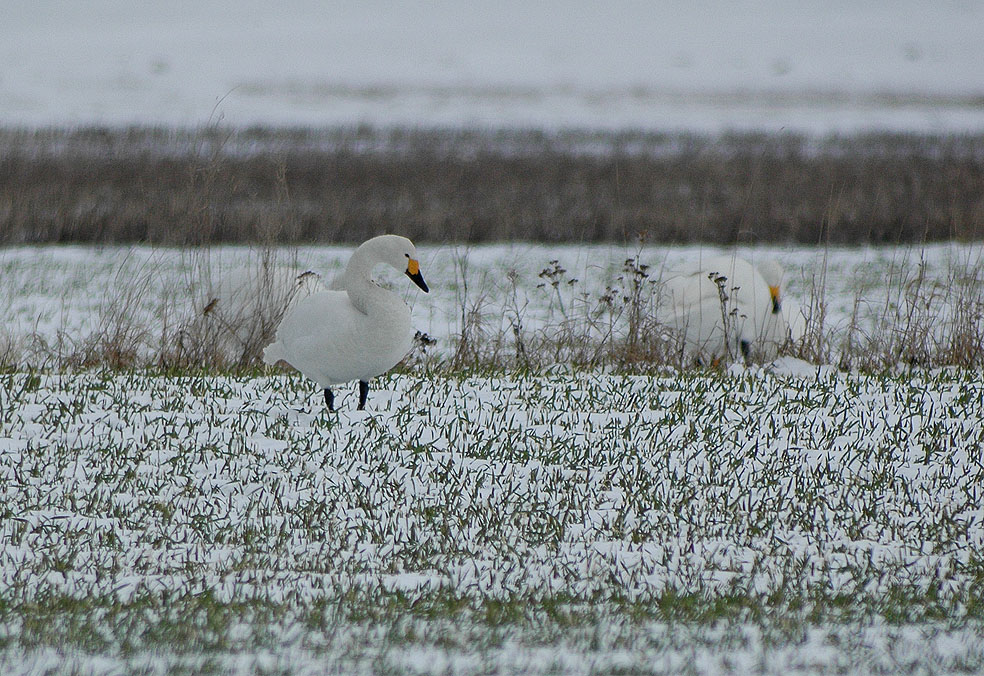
pixel 202 516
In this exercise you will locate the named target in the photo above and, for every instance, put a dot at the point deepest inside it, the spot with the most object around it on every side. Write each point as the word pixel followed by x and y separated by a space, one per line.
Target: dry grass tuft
pixel 233 313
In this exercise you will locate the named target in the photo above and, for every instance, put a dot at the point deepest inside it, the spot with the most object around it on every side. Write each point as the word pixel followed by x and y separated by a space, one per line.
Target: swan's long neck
pixel 362 292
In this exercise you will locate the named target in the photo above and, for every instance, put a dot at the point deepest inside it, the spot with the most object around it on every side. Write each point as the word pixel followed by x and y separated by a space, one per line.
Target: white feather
pixel 334 336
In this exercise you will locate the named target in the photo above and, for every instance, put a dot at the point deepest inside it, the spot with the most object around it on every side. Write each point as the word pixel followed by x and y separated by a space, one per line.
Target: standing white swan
pixel 335 336
pixel 725 306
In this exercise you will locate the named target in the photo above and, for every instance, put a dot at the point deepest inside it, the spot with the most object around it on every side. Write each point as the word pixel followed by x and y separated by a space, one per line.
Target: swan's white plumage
pixel 241 307
pixel 334 336
pixel 709 330
pixel 795 318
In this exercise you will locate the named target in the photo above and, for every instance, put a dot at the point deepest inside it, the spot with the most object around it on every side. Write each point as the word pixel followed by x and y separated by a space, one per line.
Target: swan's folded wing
pixel 323 337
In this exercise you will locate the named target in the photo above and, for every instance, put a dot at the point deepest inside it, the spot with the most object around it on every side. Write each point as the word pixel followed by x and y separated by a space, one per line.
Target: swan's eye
pixel 407 255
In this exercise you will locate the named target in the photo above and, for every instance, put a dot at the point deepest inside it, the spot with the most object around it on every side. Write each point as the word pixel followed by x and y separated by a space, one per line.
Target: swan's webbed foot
pixel 363 394
pixel 329 399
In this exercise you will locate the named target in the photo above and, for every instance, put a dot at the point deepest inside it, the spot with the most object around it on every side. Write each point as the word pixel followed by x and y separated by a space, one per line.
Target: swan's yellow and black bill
pixel 413 272
pixel 774 292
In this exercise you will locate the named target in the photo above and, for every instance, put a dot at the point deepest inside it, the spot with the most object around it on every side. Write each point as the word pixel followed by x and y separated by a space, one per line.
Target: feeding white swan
pixel 724 306
pixel 357 333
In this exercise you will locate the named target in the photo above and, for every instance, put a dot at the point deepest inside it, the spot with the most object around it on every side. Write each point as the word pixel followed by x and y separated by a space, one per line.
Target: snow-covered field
pixel 59 301
pixel 702 66
pixel 788 518
pixel 781 519
pixel 755 521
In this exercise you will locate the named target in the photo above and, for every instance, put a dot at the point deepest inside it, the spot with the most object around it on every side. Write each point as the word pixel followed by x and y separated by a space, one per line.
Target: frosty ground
pixel 873 305
pixel 786 518
pixel 755 520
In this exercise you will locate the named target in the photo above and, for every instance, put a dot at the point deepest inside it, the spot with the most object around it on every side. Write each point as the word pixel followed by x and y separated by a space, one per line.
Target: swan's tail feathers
pixel 273 353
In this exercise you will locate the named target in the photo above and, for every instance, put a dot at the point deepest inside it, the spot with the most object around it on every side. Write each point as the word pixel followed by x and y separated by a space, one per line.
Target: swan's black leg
pixel 363 394
pixel 329 399
pixel 746 350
